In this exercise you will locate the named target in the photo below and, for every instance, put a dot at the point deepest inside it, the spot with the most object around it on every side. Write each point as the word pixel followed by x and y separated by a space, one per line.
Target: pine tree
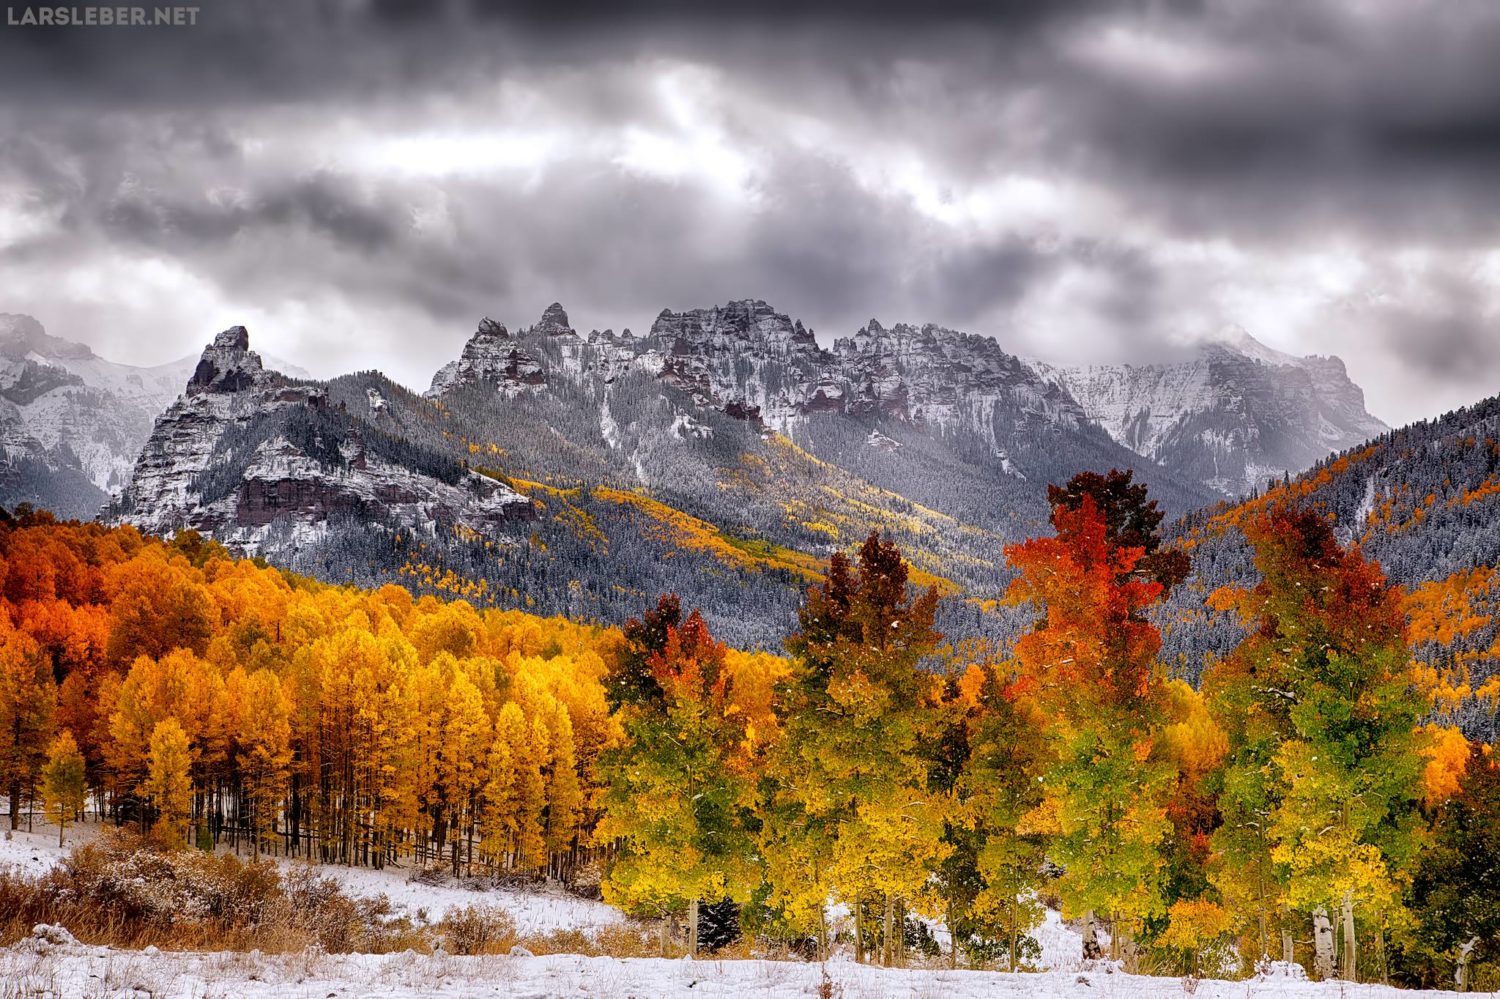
pixel 1457 934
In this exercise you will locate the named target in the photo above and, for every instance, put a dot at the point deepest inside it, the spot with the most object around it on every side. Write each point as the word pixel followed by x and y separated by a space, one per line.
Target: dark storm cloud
pixel 1271 128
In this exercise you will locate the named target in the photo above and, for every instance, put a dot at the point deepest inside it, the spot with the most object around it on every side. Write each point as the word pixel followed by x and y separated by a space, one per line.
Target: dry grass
pixel 123 892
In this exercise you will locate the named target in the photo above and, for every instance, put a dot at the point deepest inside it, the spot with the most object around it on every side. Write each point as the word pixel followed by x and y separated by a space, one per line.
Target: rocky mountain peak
pixel 554 322
pixel 491 355
pixel 749 324
pixel 21 335
pixel 1238 414
pixel 227 365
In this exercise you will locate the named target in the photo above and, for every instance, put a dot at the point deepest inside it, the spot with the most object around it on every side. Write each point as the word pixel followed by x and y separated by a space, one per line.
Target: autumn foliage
pixel 211 702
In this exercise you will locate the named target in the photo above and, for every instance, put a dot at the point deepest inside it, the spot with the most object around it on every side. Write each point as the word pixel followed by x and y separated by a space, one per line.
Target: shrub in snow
pixel 123 893
pixel 478 929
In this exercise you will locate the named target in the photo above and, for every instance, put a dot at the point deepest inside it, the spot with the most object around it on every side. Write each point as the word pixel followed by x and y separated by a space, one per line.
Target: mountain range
pixel 721 454
pixel 72 423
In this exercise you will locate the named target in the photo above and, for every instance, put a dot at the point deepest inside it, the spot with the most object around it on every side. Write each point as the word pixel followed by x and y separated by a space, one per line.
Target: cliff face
pixel 1233 418
pixel 71 423
pixel 245 450
pixel 1230 419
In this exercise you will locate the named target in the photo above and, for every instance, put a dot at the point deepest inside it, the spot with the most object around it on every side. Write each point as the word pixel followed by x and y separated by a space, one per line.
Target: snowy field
pixel 36 968
pixel 50 965
pixel 540 911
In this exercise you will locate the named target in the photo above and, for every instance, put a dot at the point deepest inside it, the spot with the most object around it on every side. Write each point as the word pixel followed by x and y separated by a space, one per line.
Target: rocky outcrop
pixel 1235 416
pixel 245 449
pixel 492 356
pixel 227 365
pixel 554 322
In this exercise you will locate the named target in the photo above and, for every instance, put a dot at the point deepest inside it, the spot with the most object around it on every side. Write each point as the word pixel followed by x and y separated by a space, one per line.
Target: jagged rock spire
pixel 227 365
pixel 554 321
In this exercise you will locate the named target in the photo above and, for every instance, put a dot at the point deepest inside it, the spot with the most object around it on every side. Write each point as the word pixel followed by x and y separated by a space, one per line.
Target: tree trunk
pixel 1461 973
pixel 952 939
pixel 1351 944
pixel 1091 951
pixel 859 931
pixel 1015 936
pixel 693 928
pixel 1322 944
pixel 1288 949
pixel 887 950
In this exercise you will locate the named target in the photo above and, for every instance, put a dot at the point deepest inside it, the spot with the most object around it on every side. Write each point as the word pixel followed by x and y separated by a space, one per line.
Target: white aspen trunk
pixel 887 950
pixel 693 928
pixel 1288 948
pixel 952 939
pixel 1091 950
pixel 1351 945
pixel 1323 964
pixel 1461 973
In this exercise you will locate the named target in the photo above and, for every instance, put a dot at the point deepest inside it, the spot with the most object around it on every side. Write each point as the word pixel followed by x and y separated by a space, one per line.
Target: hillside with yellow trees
pixel 1423 502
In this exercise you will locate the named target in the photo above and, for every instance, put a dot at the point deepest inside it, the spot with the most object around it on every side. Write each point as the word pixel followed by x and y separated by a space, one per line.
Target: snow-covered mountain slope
pixel 722 455
pixel 247 454
pixel 1239 414
pixel 72 423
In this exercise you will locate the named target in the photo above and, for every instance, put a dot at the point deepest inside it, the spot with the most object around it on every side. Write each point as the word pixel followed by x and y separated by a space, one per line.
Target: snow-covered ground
pixel 70 970
pixel 36 852
pixel 538 911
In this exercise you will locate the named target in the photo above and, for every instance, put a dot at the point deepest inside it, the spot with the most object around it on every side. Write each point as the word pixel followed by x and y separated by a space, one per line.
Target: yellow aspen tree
pixel 64 786
pixel 530 756
pixel 499 819
pixel 564 795
pixel 28 697
pixel 265 736
pixel 462 759
pixel 168 785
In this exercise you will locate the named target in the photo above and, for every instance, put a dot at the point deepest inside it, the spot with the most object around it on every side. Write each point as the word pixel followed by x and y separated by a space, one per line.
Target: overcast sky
pixel 1088 182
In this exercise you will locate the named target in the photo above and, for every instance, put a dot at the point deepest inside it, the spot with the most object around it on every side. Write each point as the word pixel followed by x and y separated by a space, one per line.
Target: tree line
pixel 1297 807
